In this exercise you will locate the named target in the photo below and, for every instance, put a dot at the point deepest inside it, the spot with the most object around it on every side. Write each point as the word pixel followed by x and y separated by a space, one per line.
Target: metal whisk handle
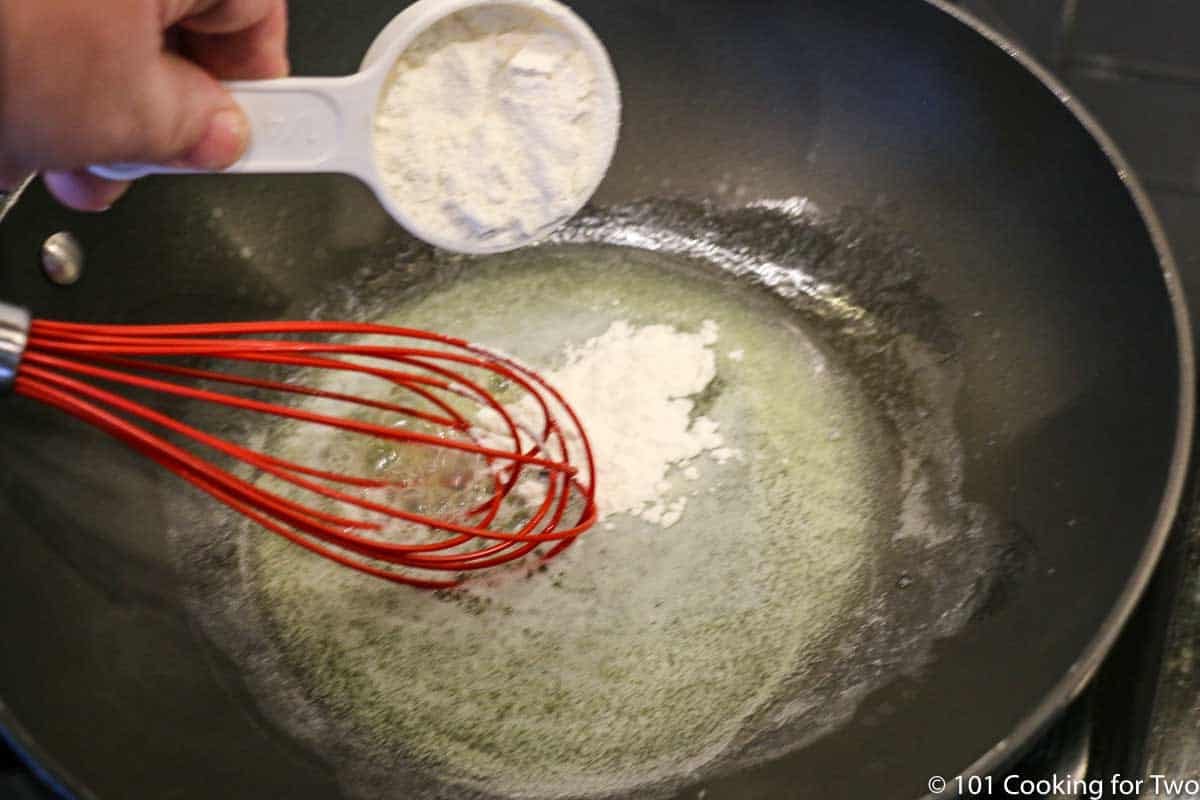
pixel 14 336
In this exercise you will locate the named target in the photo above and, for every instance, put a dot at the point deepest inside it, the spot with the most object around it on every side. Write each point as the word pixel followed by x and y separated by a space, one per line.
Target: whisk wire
pixel 470 539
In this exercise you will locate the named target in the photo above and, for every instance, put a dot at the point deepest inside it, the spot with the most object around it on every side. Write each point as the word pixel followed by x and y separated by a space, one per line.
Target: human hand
pixel 108 81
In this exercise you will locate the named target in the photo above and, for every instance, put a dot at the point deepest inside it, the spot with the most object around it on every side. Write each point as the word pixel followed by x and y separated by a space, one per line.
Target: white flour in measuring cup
pixel 496 126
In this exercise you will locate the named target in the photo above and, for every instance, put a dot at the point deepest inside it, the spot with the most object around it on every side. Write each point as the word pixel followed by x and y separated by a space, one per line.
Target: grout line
pixel 1099 66
pixel 1065 39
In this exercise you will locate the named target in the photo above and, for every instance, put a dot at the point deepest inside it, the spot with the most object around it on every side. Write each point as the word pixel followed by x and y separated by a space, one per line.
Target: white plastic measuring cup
pixel 327 124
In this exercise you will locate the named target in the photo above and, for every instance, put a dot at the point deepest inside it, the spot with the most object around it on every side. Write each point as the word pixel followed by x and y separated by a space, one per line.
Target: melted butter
pixel 643 652
pixel 819 567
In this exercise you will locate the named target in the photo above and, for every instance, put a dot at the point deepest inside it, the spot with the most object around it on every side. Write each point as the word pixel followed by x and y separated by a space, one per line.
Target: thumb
pixel 191 120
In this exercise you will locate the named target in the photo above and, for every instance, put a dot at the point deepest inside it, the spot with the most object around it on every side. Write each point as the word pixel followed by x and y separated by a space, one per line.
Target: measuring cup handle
pixel 296 125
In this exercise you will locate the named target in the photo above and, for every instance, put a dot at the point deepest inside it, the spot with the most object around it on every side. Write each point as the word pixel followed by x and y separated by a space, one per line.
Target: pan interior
pixel 818 557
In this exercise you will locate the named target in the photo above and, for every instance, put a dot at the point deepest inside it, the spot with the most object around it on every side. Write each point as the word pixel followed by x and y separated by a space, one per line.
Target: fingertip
pixel 223 143
pixel 82 191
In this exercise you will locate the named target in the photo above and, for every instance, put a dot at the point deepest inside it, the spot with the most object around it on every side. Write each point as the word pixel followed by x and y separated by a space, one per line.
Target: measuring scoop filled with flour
pixel 481 125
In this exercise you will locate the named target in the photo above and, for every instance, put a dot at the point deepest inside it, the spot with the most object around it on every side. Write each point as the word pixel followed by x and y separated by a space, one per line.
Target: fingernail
pixel 224 142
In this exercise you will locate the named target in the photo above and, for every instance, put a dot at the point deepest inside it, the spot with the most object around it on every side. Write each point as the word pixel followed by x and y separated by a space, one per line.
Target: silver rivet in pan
pixel 62 258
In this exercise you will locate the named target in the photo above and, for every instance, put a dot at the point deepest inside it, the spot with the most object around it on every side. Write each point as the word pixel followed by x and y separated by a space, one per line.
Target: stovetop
pixel 1136 65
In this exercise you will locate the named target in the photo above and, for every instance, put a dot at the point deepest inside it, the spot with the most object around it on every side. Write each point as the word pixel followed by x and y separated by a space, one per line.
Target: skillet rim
pixel 1079 675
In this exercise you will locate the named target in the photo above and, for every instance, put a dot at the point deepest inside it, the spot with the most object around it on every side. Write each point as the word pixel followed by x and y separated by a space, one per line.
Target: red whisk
pixel 436 390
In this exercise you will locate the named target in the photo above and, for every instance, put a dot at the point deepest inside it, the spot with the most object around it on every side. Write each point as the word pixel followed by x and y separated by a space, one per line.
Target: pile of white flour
pixel 634 388
pixel 491 129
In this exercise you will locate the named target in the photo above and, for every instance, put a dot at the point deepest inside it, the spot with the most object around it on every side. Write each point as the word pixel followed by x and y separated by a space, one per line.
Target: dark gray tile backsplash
pixel 1162 31
pixel 1136 65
